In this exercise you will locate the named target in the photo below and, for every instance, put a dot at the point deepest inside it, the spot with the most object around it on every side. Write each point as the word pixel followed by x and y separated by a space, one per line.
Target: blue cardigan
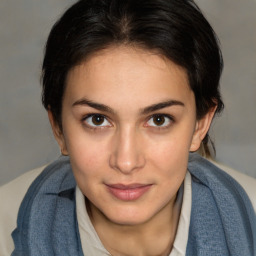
pixel 222 223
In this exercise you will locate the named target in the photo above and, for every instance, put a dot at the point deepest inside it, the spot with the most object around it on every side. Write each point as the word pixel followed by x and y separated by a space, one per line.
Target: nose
pixel 127 155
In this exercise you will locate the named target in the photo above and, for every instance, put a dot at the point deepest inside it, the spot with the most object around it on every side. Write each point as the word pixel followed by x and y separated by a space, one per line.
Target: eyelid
pixel 95 126
pixel 170 117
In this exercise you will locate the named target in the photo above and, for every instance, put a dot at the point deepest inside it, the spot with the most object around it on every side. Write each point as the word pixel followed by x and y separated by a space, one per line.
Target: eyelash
pixel 166 116
pixel 97 127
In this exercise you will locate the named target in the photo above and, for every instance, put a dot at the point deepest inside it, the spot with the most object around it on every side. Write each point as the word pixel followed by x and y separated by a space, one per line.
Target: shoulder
pixel 248 183
pixel 11 196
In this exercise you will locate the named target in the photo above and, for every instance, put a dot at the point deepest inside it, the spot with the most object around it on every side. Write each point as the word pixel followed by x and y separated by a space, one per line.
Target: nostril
pixel 126 155
pixel 125 165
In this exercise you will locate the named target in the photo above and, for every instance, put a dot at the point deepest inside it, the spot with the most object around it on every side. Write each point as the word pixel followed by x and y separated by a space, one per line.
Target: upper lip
pixel 128 186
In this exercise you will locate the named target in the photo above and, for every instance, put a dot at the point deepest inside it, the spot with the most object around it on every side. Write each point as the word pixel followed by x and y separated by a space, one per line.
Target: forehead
pixel 127 75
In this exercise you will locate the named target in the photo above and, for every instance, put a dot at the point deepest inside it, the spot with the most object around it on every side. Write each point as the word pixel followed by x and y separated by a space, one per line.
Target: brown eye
pixel 98 120
pixel 158 120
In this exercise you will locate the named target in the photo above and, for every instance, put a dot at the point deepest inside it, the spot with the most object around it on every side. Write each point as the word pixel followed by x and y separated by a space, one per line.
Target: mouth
pixel 129 192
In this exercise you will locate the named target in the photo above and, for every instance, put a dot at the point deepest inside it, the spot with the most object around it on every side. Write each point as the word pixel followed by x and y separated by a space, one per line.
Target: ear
pixel 201 128
pixel 58 134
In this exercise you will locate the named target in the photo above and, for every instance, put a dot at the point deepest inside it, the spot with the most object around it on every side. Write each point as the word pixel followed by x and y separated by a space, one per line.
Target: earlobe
pixel 58 134
pixel 201 128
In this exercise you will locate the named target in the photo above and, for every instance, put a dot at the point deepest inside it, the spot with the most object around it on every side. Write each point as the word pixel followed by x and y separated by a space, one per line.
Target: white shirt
pixel 12 194
pixel 92 245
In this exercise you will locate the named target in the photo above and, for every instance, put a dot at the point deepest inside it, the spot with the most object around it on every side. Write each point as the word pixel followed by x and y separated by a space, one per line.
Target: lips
pixel 129 192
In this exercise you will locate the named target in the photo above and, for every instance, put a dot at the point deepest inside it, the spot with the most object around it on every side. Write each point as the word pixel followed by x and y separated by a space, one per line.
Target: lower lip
pixel 130 194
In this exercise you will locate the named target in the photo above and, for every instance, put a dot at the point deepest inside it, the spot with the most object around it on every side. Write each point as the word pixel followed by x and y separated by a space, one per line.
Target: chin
pixel 129 217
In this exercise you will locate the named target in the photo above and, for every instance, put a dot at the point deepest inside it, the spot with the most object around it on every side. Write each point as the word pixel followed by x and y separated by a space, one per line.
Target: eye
pixel 159 120
pixel 96 120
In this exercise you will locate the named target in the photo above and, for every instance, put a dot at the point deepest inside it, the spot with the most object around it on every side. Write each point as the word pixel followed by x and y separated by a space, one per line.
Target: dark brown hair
pixel 175 28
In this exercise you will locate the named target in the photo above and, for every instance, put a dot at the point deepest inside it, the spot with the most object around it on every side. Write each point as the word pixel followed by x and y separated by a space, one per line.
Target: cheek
pixel 87 156
pixel 88 167
pixel 173 146
pixel 171 155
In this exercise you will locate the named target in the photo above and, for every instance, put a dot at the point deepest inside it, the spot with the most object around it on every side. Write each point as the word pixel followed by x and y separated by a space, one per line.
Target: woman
pixel 131 88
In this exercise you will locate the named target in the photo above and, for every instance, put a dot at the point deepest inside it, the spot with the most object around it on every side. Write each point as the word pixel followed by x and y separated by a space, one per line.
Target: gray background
pixel 26 140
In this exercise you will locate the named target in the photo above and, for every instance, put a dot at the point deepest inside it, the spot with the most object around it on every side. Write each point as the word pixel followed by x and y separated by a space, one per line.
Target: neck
pixel 154 237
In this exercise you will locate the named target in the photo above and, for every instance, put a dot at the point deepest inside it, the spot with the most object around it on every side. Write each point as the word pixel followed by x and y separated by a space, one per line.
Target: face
pixel 129 122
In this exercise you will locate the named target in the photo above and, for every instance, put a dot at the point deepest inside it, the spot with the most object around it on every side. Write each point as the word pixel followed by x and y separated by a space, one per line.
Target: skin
pixel 129 116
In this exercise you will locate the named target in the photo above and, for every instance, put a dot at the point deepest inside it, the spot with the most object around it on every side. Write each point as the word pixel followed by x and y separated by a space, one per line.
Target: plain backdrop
pixel 26 140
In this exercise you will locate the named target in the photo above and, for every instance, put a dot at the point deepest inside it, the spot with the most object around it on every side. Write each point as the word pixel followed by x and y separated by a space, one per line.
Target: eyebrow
pixel 98 106
pixel 161 105
pixel 146 110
